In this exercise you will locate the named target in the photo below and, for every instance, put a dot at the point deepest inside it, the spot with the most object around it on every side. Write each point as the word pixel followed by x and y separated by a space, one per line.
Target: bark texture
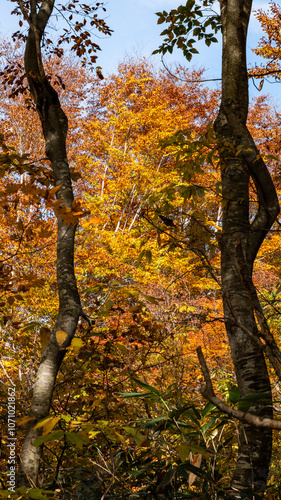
pixel 54 125
pixel 241 240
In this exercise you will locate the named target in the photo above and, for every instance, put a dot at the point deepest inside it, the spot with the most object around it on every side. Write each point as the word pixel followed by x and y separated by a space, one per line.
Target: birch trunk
pixel 240 243
pixel 54 125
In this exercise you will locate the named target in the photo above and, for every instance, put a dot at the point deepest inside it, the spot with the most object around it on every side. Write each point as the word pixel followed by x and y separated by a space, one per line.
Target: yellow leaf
pixel 42 422
pixel 76 344
pixel 94 220
pixel 54 190
pixel 93 434
pixel 24 420
pixel 183 309
pixel 61 336
pixel 48 426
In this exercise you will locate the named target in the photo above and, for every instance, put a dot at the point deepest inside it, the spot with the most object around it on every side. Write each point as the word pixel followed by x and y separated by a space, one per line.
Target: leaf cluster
pixel 187 21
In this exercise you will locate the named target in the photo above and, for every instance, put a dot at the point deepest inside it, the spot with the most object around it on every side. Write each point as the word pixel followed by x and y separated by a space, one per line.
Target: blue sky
pixel 136 33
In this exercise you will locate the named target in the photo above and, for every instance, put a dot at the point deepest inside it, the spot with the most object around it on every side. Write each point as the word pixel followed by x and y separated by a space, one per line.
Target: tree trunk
pixel 241 240
pixel 54 125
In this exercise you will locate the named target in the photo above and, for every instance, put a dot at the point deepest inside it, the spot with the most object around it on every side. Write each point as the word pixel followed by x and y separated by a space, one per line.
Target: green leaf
pixel 151 299
pixel 207 409
pixel 151 422
pixel 108 305
pixel 183 452
pixel 140 383
pixel 184 449
pixel 181 470
pixel 74 438
pixel 233 394
pixel 92 289
pixel 130 430
pixel 37 493
pixel 75 175
pixel 134 394
pixel 246 401
pixel 122 348
pixel 141 439
pixel 208 425
pixel 141 255
pixel 32 325
pixel 161 20
pixel 148 255
pixel 49 437
pixel 258 396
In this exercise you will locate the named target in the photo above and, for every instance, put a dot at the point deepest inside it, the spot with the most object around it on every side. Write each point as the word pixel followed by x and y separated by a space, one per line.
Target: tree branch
pixel 209 394
pixel 268 205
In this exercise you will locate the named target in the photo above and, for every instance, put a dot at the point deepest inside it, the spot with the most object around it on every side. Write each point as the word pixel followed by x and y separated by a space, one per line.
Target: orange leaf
pixel 61 336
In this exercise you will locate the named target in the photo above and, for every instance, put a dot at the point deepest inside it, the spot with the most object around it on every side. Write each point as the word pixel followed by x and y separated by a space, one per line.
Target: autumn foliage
pixel 127 418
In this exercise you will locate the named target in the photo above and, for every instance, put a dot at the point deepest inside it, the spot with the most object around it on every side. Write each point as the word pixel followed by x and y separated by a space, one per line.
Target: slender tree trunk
pixel 54 125
pixel 241 240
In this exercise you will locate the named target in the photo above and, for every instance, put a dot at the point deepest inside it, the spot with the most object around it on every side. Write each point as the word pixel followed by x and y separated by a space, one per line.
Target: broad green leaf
pixel 183 452
pixel 246 401
pixel 37 493
pixel 259 396
pixel 48 438
pixel 208 425
pixel 130 430
pixel 233 394
pixel 141 255
pixel 5 493
pixel 74 438
pixel 141 439
pixel 184 449
pixel 66 418
pixel 92 289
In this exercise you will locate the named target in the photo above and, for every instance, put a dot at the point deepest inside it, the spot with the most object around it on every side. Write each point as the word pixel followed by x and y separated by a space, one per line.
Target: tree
pixel 269 44
pixel 54 125
pixel 241 240
pixel 243 231
pixel 144 258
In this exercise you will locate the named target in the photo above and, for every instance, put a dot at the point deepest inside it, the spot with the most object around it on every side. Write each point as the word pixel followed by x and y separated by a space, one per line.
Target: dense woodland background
pixel 127 419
